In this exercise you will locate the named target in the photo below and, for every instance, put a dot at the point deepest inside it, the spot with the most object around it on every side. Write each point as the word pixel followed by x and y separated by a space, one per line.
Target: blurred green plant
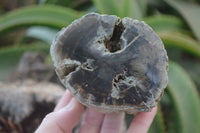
pixel 48 15
pixel 179 109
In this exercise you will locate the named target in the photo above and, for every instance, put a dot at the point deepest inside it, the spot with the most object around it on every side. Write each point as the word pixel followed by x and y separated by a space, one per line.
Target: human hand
pixel 68 112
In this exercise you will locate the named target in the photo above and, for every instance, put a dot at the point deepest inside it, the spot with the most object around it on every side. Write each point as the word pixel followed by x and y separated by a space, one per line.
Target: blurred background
pixel 29 88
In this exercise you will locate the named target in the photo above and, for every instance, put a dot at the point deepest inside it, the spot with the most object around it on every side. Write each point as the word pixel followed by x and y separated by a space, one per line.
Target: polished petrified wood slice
pixel 111 64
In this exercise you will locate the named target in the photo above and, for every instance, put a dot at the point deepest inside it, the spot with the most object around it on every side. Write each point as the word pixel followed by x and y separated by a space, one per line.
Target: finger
pixel 63 120
pixel 142 122
pixel 113 123
pixel 64 100
pixel 92 121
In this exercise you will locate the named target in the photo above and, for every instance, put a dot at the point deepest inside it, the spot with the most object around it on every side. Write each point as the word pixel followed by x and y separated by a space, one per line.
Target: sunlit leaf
pixel 160 23
pixel 181 41
pixel 48 15
pixel 133 8
pixel 123 8
pixel 190 12
pixel 43 33
pixel 107 6
pixel 185 99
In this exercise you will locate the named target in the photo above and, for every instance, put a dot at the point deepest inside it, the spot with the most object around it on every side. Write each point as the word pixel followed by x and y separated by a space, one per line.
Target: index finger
pixel 64 100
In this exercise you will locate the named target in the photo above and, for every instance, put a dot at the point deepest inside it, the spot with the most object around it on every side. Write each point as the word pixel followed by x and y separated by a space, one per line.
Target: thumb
pixel 63 120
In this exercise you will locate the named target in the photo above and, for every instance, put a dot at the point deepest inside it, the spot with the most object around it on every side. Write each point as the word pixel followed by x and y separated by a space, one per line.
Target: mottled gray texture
pixel 111 64
pixel 18 99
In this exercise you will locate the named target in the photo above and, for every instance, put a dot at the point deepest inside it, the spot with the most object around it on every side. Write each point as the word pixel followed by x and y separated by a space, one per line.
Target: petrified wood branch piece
pixel 111 64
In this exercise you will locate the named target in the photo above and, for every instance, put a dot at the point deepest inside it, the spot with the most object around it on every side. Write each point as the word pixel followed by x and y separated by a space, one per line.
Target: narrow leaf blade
pixel 48 15
pixel 185 98
pixel 107 6
pixel 134 8
pixel 190 13
pixel 181 41
pixel 42 33
pixel 165 23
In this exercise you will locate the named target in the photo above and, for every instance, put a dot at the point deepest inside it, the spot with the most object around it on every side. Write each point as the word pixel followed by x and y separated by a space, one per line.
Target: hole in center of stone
pixel 114 44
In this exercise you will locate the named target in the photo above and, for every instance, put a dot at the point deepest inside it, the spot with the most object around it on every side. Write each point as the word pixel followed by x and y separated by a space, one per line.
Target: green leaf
pixel 133 8
pixel 158 123
pixel 185 99
pixel 43 33
pixel 122 8
pixel 168 113
pixel 181 41
pixel 194 73
pixel 107 6
pixel 190 12
pixel 48 15
pixel 10 56
pixel 165 23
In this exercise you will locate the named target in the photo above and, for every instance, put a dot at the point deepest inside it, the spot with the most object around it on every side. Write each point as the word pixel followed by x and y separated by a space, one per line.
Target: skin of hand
pixel 68 112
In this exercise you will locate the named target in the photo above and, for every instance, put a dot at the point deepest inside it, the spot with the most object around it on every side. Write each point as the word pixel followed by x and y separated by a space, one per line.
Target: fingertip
pixel 72 112
pixel 65 99
pixel 154 110
pixel 74 104
pixel 142 121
